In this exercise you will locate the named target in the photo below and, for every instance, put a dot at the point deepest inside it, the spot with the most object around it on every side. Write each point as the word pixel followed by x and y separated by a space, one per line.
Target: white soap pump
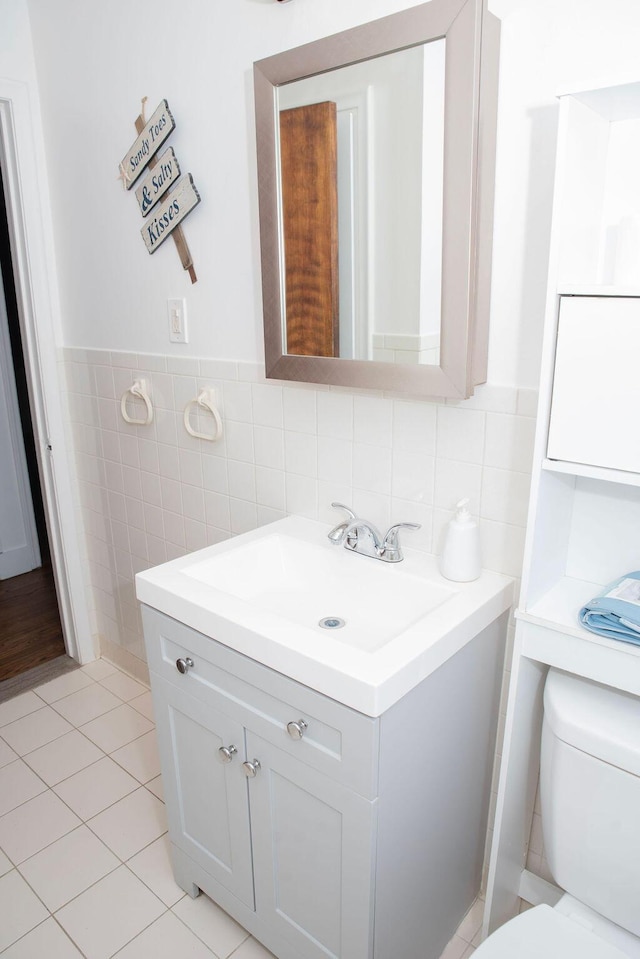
pixel 460 560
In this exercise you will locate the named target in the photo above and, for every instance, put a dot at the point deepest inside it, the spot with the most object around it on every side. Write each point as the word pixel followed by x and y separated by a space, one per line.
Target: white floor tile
pixel 99 669
pixel 64 685
pixel 109 914
pixel 117 728
pixel 166 938
pixel 18 707
pixel 140 758
pixel 5 864
pixel 7 754
pixel 34 730
pixel 130 824
pixel 144 705
pixel 95 788
pixel 156 787
pixel 123 686
pixel 21 910
pixel 18 783
pixel 251 949
pixel 86 704
pixel 211 924
pixel 63 757
pixel 68 866
pixel 455 948
pixel 471 922
pixel 29 828
pixel 153 866
pixel 46 941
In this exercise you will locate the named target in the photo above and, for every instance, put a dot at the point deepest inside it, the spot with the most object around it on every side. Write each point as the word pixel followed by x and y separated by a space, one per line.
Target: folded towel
pixel 615 612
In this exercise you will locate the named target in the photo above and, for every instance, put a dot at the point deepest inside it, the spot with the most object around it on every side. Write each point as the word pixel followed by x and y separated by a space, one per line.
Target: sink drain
pixel 331 622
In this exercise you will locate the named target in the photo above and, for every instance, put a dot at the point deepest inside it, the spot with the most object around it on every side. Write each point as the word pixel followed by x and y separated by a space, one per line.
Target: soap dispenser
pixel 460 560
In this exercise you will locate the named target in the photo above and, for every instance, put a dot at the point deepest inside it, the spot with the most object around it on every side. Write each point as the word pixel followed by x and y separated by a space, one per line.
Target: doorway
pixel 28 212
pixel 31 632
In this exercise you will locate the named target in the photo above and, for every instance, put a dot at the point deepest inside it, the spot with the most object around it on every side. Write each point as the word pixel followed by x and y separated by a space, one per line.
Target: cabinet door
pixel 207 803
pixel 596 399
pixel 313 857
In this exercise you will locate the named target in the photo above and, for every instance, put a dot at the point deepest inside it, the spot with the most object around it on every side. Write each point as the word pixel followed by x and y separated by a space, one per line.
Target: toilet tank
pixel 590 794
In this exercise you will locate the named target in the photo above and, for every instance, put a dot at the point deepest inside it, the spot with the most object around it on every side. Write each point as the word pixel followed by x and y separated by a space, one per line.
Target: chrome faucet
pixel 361 536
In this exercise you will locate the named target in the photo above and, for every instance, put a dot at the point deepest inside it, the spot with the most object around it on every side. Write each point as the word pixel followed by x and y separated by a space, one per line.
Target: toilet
pixel 590 798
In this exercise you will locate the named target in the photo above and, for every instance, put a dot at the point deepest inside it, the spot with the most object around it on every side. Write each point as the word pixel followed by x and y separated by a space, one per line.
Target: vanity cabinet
pixel 323 831
pixel 197 782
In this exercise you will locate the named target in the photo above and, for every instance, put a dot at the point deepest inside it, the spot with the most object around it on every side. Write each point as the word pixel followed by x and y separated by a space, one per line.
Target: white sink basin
pixel 264 594
pixel 369 602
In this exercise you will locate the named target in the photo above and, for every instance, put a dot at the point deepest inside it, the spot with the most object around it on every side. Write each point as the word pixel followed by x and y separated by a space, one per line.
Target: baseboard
pixel 124 660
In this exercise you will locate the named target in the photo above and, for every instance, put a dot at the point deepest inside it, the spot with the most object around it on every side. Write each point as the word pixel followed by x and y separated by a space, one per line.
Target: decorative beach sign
pixel 157 181
pixel 164 197
pixel 181 201
pixel 151 137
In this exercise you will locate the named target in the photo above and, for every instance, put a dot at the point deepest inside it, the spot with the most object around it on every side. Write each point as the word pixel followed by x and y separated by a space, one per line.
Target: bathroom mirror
pixel 375 166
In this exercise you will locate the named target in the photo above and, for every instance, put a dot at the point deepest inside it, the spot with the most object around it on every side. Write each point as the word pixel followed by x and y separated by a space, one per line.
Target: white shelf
pixel 552 634
pixel 595 289
pixel 558 608
pixel 592 472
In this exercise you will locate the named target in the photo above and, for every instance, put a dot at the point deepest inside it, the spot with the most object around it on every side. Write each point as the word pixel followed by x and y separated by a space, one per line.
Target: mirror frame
pixel 472 46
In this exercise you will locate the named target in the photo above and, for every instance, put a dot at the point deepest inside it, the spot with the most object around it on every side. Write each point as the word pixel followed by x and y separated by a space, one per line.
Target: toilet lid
pixel 543 933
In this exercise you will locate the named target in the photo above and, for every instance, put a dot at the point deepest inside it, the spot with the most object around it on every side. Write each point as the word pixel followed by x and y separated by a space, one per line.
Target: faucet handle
pixel 391 537
pixel 336 535
pixel 347 509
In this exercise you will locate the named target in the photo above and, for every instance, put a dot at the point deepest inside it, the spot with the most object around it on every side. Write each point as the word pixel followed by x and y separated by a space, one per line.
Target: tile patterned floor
pixel 84 865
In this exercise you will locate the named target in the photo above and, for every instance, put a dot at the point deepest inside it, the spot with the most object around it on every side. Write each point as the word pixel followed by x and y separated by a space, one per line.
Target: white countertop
pixel 368 680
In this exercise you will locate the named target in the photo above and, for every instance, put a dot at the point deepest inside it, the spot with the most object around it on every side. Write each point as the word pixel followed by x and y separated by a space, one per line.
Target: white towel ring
pixel 138 389
pixel 206 400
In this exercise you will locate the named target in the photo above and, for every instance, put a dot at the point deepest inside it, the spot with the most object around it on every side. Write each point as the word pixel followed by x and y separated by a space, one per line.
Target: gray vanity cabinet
pixel 326 833
pixel 207 803
pixel 312 846
pixel 282 845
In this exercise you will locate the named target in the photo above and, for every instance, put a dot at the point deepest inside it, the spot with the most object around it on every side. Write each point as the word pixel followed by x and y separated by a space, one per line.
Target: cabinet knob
pixel 251 768
pixel 182 665
pixel 296 730
pixel 226 753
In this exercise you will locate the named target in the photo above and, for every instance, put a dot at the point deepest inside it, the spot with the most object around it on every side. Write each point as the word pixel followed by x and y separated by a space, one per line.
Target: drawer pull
pixel 226 753
pixel 296 730
pixel 182 665
pixel 251 768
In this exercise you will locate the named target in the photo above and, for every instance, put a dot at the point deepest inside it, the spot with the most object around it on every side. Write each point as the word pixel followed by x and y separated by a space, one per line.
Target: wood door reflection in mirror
pixel 308 156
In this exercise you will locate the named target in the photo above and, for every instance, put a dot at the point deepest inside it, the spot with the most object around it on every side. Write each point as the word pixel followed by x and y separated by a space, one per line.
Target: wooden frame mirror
pixel 471 38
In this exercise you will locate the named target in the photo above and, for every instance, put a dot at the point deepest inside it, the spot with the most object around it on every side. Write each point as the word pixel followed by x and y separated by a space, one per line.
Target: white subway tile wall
pixel 147 494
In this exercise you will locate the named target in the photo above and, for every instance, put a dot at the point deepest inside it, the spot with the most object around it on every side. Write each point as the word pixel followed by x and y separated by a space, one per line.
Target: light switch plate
pixel 177 310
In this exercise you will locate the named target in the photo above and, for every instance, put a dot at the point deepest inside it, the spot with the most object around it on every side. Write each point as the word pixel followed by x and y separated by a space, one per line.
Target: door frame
pixel 23 557
pixel 22 157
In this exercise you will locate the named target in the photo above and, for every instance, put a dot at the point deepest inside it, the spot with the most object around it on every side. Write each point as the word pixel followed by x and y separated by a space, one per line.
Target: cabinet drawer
pixel 336 740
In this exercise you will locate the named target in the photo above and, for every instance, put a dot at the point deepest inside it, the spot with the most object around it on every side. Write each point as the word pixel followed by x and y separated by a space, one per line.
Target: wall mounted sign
pixel 169 214
pixel 155 184
pixel 161 182
pixel 151 138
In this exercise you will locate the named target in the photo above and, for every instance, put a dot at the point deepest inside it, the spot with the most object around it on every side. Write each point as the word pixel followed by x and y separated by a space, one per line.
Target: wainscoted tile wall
pixel 148 494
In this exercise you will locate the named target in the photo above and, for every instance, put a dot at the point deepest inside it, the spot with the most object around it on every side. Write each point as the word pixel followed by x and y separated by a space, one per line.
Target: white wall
pixel 16 51
pixel 96 60
pixel 546 45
